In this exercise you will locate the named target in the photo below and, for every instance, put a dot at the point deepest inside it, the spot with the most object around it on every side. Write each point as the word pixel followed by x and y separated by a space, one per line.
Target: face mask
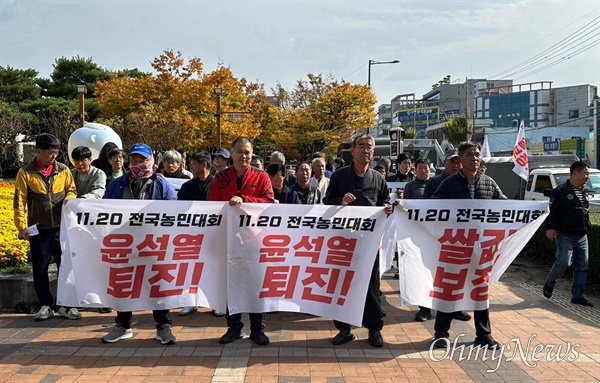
pixel 142 170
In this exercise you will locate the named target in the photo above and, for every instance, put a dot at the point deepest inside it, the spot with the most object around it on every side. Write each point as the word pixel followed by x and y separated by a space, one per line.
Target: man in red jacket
pixel 238 184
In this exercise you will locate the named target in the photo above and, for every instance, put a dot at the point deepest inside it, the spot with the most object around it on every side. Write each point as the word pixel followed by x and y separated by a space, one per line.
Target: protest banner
pixel 449 251
pixel 302 258
pixel 143 255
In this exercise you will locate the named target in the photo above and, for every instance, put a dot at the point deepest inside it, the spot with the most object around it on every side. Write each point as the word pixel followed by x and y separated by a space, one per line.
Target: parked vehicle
pixel 546 179
pixel 513 186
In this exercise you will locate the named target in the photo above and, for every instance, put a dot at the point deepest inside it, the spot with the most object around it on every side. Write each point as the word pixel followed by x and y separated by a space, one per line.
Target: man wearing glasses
pixel 359 185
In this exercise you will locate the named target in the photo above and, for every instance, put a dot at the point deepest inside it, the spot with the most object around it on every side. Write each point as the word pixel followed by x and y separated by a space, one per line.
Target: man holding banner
pixel 468 183
pixel 359 185
pixel 140 182
pixel 238 184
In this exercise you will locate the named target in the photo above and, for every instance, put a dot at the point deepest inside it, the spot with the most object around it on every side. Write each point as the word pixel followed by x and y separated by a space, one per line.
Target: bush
pixel 13 252
pixel 539 247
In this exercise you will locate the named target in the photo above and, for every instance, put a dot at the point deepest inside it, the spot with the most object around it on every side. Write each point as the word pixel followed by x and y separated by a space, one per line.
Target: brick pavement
pixel 59 350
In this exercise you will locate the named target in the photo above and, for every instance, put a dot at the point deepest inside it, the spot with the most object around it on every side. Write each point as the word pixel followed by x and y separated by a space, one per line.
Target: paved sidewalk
pixel 59 350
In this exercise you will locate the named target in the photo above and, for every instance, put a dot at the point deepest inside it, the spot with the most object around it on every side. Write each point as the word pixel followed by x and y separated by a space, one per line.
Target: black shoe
pixel 441 342
pixel 547 291
pixel 462 315
pixel 342 337
pixel 106 310
pixel 375 338
pixel 259 337
pixel 582 301
pixel 397 276
pixel 233 333
pixel 383 313
pixel 424 314
pixel 486 341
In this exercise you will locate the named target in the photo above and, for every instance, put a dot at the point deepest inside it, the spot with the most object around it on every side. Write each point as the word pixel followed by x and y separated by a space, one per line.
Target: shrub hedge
pixel 539 247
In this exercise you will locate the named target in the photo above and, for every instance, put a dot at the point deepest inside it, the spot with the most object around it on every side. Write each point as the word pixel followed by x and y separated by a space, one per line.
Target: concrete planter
pixel 17 288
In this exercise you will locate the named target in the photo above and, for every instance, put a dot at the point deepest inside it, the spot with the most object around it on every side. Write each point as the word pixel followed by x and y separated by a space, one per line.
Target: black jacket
pixel 457 187
pixel 369 189
pixel 567 213
pixel 287 196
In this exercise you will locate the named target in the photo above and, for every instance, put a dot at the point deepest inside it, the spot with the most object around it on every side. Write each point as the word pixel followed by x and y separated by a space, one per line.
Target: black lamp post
pixel 373 62
pixel 218 93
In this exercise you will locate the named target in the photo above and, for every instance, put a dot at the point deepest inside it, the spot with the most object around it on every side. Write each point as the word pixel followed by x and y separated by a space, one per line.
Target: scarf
pixel 142 170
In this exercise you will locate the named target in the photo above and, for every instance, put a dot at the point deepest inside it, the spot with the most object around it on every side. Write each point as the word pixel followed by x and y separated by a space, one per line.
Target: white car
pixel 543 179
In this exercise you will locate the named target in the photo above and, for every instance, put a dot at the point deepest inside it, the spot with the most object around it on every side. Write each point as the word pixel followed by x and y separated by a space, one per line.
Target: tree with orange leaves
pixel 176 107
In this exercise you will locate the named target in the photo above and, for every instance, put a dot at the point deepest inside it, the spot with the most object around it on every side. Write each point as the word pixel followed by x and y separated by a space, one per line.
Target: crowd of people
pixel 44 185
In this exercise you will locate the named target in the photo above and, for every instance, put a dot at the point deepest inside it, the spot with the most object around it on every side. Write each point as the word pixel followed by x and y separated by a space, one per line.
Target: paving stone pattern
pixel 59 350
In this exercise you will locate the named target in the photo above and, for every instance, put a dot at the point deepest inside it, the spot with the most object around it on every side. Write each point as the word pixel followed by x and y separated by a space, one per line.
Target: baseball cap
pixel 221 152
pixel 450 154
pixel 141 149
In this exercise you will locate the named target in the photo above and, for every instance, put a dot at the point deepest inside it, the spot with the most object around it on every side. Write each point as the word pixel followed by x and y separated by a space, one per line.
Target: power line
pixel 354 71
pixel 551 52
pixel 536 42
pixel 573 54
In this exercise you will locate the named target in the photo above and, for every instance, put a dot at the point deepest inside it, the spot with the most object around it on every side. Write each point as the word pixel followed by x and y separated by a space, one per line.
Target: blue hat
pixel 221 152
pixel 141 149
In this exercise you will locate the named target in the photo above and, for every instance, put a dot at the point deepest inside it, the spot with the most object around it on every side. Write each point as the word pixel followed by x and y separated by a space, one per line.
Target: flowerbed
pixel 13 252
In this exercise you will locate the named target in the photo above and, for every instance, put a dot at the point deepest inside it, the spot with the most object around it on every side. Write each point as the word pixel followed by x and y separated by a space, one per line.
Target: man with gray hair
pixel 279 158
pixel 172 165
pixel 318 179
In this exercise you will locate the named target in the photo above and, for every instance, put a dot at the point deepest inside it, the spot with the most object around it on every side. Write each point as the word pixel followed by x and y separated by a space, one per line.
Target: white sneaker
pixel 72 313
pixel 188 310
pixel 218 313
pixel 44 313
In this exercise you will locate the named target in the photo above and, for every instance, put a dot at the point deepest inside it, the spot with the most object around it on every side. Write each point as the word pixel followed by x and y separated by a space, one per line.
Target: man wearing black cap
pixel 140 182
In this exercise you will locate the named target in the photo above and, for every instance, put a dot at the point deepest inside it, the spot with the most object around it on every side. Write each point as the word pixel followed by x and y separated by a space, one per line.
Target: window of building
pixel 573 113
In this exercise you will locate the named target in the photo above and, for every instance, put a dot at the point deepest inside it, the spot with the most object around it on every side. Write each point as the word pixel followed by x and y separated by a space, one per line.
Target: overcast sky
pixel 282 41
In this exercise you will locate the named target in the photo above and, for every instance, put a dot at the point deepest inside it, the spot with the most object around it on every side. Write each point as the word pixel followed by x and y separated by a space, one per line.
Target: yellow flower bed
pixel 13 251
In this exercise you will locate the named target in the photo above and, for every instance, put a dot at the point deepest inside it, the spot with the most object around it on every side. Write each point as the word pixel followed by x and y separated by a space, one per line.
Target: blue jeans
pixel 570 250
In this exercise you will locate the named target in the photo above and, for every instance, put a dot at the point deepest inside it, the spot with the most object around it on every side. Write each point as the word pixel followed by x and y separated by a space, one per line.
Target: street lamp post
pixel 373 62
pixel 81 90
pixel 218 93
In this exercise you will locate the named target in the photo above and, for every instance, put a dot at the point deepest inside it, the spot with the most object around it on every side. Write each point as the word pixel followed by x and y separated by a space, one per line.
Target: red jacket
pixel 256 186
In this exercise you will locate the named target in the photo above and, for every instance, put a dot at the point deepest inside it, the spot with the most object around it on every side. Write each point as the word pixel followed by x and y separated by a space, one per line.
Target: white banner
pixel 313 259
pixel 520 159
pixel 449 251
pixel 135 255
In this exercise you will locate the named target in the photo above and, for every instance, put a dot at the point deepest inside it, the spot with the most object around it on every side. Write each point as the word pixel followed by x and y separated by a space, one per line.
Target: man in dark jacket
pixel 307 193
pixel 283 194
pixel 140 182
pixel 197 189
pixel 359 185
pixel 468 183
pixel 568 224
pixel 451 167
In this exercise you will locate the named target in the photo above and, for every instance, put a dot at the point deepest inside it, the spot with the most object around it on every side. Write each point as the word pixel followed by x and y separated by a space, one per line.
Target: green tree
pixel 456 128
pixel 70 72
pixel 17 85
pixel 13 123
pixel 446 80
